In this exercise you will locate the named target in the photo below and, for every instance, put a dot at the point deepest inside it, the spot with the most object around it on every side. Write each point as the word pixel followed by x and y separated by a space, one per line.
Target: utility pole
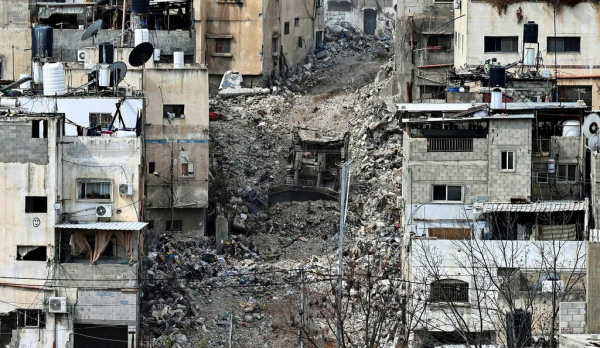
pixel 172 190
pixel 301 308
pixel 343 201
pixel 405 68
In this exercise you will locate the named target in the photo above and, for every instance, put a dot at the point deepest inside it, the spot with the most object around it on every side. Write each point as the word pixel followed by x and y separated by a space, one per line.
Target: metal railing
pixel 449 145
pixel 541 145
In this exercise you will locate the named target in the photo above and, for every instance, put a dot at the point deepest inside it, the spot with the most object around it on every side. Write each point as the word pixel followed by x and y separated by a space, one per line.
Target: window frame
pixel 437 288
pixel 187 165
pixel 537 178
pixel 225 43
pixel 175 227
pixel 108 119
pixel 566 177
pixel 446 199
pixel 286 28
pixel 297 22
pixel 496 44
pixel 175 110
pixel 563 40
pixel 24 313
pixel 79 188
pixel 514 160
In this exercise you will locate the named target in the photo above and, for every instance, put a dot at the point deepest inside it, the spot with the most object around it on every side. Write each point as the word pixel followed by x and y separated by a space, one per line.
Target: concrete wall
pixel 305 11
pixel 572 317
pixel 593 294
pixel 15 30
pixel 19 147
pixel 385 11
pixel 509 135
pixel 106 307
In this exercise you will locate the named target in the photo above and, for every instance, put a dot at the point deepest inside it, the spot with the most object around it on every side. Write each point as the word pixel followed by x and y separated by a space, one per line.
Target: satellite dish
pixel 120 70
pixel 92 30
pixel 141 54
pixel 591 125
pixel 593 142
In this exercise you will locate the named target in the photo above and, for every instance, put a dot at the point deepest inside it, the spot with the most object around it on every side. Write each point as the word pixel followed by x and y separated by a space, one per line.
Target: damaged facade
pixel 372 17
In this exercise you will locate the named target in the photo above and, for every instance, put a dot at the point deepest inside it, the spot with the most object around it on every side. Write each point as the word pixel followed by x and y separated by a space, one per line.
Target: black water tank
pixel 140 6
pixel 42 41
pixel 106 53
pixel 497 76
pixel 518 329
pixel 530 32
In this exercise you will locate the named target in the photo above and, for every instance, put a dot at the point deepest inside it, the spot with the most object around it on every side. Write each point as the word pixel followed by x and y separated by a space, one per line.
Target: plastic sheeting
pixel 47 11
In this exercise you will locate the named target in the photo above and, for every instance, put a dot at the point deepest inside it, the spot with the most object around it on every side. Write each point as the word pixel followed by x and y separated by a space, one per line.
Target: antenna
pixel 141 54
pixel 590 130
pixel 92 30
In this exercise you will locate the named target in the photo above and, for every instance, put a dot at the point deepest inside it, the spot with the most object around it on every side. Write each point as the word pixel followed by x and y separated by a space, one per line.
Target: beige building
pixel 482 33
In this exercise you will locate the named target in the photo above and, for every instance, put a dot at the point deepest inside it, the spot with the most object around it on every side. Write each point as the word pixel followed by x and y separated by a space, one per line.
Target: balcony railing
pixel 541 145
pixel 449 145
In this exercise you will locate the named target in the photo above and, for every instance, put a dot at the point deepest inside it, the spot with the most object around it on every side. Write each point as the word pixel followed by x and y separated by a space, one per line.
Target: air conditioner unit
pixel 126 189
pixel 57 305
pixel 81 55
pixel 104 210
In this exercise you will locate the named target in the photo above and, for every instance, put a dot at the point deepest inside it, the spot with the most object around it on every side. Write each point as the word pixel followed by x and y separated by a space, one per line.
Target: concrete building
pixel 490 196
pixel 373 17
pixel 482 33
pixel 72 221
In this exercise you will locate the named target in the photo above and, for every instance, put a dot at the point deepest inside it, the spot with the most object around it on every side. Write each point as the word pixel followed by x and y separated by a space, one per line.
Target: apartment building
pixel 496 214
pixel 564 43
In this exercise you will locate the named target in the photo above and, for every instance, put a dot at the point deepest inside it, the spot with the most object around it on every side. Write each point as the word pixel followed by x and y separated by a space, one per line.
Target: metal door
pixel 370 22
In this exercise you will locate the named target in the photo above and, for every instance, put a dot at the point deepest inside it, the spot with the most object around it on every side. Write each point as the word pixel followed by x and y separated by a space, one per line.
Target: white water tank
pixel 37 72
pixel 551 165
pixel 27 84
pixel 529 56
pixel 104 75
pixel 571 129
pixel 496 99
pixel 156 54
pixel 178 60
pixel 141 35
pixel 54 79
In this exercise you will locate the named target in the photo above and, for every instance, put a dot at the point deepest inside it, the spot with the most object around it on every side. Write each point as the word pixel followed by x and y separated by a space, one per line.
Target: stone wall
pixel 106 307
pixel 102 276
pixel 572 317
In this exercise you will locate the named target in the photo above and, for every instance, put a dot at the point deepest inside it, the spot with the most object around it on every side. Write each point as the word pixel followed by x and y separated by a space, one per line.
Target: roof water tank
pixel 178 62
pixel 106 53
pixel 571 129
pixel 140 35
pixel 551 165
pixel 529 57
pixel 530 32
pixel 497 76
pixel 54 79
pixel 104 75
pixel 140 6
pixel 42 41
pixel 38 76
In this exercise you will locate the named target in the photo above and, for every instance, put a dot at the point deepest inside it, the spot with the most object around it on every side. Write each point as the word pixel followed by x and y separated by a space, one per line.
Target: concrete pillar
pixel 297 167
pixel 593 291
pixel 321 165
pixel 221 231
pixel 131 336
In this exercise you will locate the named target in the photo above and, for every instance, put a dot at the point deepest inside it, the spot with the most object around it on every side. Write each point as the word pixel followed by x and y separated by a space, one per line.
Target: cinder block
pixel 580 317
pixel 566 318
pixel 573 311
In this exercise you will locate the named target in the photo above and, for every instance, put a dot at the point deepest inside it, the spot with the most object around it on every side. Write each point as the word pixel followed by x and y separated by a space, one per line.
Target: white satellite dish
pixel 593 142
pixel 591 125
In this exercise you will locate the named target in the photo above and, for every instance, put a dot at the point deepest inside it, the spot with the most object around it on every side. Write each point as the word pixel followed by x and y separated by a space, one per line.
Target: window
pixel 335 5
pixel 94 189
pixel 187 169
pixel 151 167
pixel 449 290
pixel 506 271
pixel 31 253
pixel 450 145
pixel 447 193
pixel 39 129
pixel 567 172
pixel 505 44
pixel 300 42
pixel 449 233
pixel 36 204
pixel 275 45
pixel 222 45
pixel 297 22
pixel 176 225
pixel 564 44
pixel 507 160
pixel 575 93
pixel 286 28
pixel 172 111
pixel 30 318
pixel 104 121
pixel 443 41
pixel 542 178
pixel 150 224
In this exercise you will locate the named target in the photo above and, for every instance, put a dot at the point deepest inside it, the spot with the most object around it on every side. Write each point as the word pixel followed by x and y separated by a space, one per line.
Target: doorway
pixel 370 23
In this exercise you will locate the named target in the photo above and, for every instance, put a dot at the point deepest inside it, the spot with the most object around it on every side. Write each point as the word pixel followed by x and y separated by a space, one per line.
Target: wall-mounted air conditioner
pixel 57 305
pixel 81 55
pixel 104 210
pixel 126 189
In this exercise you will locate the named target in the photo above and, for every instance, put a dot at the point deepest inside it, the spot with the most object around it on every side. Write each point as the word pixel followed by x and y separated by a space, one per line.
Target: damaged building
pixel 372 17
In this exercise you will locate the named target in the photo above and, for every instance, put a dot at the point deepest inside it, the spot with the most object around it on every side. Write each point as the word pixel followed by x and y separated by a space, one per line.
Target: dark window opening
pixel 432 92
pixel 150 224
pixel 222 45
pixel 30 318
pixel 103 121
pixel 176 225
pixel 39 129
pixel 36 204
pixel 442 41
pixel 93 335
pixel 542 178
pixel 275 45
pixel 507 160
pixel 449 290
pixel 187 169
pixel 567 172
pixel 506 271
pixel 575 93
pixel 300 42
pixel 297 22
pixel 286 28
pixel 343 6
pixel 173 111
pixel 564 44
pixel 31 253
pixel 151 167
pixel 501 44
pixel 447 193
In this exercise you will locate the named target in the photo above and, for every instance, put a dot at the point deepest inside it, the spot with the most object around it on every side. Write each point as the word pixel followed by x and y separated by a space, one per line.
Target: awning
pixel 105 226
pixel 542 207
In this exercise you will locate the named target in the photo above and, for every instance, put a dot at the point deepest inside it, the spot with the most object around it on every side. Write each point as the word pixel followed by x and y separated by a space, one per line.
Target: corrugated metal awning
pixel 105 226
pixel 542 207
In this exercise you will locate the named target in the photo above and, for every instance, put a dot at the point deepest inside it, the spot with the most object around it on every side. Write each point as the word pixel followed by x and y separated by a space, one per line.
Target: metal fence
pixel 541 145
pixel 449 145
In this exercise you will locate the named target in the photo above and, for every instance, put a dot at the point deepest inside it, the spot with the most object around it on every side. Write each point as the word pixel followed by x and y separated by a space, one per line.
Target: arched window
pixel 449 290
